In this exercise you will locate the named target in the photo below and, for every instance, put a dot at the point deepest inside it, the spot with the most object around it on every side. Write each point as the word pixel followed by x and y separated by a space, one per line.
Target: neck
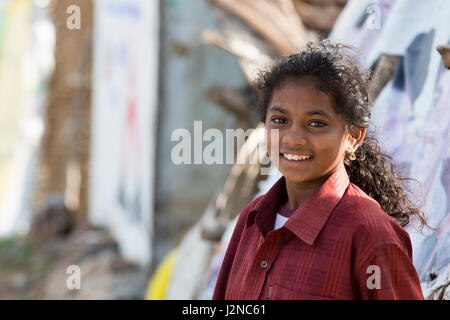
pixel 298 192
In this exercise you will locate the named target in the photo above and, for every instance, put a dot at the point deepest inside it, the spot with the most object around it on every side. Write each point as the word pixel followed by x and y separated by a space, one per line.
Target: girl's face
pixel 307 126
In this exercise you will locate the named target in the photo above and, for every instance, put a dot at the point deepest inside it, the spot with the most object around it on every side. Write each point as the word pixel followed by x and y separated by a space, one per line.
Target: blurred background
pixel 91 91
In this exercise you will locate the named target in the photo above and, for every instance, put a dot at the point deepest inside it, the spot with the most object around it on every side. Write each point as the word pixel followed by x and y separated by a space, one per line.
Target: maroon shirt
pixel 339 244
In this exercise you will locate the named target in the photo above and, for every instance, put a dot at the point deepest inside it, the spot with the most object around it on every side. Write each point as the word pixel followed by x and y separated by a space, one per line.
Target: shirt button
pixel 264 264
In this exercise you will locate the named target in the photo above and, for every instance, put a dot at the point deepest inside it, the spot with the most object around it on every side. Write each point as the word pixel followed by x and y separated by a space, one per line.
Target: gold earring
pixel 352 156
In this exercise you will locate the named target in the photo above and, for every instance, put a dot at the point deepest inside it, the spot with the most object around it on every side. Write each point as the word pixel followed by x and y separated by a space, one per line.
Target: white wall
pixel 125 88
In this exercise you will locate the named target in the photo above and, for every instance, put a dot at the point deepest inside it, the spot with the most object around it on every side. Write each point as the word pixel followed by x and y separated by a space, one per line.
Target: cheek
pixel 329 146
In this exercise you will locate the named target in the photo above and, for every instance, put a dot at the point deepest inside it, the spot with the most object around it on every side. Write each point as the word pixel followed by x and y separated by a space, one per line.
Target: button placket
pixel 264 262
pixel 267 253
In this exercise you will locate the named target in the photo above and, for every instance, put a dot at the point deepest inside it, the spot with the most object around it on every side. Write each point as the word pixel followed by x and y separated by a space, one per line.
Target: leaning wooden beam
pixel 384 70
pixel 249 52
pixel 230 99
pixel 320 18
pixel 445 53
pixel 278 22
pixel 240 185
pixel 244 47
pixel 253 52
pixel 244 177
pixel 340 3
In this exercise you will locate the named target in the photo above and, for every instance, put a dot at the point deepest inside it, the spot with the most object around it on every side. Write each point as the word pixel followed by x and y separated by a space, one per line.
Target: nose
pixel 294 136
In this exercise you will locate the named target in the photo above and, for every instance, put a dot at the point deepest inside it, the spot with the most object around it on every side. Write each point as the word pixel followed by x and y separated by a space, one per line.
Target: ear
pixel 354 139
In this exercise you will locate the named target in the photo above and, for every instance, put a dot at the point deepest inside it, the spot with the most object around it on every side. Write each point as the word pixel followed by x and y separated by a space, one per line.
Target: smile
pixel 296 157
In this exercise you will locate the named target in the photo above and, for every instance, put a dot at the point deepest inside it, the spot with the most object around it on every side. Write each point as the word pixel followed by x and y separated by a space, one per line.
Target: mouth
pixel 296 157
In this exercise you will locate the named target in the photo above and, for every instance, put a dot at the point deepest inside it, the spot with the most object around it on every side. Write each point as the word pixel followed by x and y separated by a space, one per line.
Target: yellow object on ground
pixel 160 280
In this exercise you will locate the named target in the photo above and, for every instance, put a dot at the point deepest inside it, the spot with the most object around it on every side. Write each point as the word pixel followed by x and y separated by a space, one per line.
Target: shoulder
pixel 369 223
pixel 249 208
pixel 243 216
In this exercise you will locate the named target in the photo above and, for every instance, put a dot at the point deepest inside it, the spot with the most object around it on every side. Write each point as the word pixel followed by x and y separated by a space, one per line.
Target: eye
pixel 317 124
pixel 278 120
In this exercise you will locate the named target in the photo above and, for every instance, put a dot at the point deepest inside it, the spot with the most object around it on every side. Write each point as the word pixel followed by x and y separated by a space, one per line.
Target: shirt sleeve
pixel 222 280
pixel 388 274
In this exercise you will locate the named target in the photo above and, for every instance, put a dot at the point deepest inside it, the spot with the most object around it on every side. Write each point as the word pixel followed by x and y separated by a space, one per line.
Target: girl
pixel 331 227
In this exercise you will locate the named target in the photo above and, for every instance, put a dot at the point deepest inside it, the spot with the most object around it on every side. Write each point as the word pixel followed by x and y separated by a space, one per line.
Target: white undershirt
pixel 279 221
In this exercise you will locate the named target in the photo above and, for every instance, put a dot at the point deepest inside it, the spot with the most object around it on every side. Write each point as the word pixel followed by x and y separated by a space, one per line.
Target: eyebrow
pixel 309 113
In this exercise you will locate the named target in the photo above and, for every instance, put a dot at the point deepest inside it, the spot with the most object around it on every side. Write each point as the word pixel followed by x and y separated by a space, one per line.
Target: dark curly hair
pixel 338 73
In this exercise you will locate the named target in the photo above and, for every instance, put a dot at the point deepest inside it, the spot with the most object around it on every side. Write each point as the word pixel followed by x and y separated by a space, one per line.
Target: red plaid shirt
pixel 339 244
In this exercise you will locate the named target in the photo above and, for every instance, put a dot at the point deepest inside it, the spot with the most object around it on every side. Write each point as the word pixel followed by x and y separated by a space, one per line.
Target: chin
pixel 295 177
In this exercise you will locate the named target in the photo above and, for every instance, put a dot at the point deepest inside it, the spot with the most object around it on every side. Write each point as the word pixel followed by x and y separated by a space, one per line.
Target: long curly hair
pixel 338 73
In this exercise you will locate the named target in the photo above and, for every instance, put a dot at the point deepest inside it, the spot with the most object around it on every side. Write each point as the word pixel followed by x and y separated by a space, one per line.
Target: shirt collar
pixel 307 220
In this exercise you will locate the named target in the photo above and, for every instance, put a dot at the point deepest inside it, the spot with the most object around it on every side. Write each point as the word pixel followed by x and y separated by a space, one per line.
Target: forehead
pixel 299 95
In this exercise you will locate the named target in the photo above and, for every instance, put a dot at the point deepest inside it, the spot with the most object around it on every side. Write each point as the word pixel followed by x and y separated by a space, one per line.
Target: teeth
pixel 295 156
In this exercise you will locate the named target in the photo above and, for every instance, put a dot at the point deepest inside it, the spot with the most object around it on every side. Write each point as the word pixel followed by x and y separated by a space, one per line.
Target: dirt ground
pixel 30 269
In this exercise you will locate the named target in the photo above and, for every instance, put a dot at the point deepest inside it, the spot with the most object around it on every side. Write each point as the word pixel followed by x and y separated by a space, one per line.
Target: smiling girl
pixel 332 226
